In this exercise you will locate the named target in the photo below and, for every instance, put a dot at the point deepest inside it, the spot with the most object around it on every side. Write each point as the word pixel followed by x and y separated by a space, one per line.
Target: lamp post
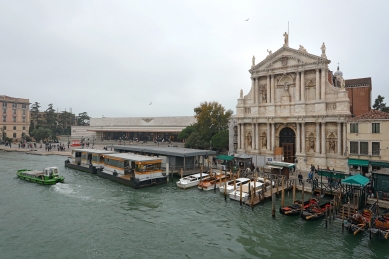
pixel 93 140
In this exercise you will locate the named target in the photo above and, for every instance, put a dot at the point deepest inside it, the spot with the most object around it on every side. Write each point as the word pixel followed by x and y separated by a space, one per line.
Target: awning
pixel 358 162
pixel 225 157
pixel 356 180
pixel 273 167
pixel 380 164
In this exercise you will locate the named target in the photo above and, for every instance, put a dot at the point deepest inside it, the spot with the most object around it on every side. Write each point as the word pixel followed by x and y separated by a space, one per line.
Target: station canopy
pixel 358 180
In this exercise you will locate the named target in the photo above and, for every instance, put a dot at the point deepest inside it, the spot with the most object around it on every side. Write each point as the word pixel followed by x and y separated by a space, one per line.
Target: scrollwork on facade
pixel 331 89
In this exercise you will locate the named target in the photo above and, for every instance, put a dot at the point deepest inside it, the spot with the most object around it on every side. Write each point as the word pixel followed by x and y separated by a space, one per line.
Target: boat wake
pixel 72 191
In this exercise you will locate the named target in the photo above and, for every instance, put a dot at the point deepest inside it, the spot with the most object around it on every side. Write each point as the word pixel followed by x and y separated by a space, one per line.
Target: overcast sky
pixel 113 58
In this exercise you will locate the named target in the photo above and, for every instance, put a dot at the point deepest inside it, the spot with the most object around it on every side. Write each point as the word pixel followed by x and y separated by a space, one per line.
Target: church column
pixel 302 86
pixel 257 144
pixel 238 137
pixel 323 137
pixel 323 83
pixel 272 89
pixel 317 144
pixel 344 138
pixel 242 136
pixel 253 136
pixel 339 139
pixel 298 135
pixel 268 89
pixel 317 84
pixel 273 137
pixel 253 87
pixel 303 138
pixel 268 136
pixel 297 95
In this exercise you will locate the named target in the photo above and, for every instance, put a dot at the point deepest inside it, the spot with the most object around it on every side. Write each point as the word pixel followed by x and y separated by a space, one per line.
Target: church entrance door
pixel 287 142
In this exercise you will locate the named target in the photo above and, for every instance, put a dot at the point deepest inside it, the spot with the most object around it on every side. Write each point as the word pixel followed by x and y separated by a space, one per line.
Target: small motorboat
pixel 234 184
pixel 246 191
pixel 191 180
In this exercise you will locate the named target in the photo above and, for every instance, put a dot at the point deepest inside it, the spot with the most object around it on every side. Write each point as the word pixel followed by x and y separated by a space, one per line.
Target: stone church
pixel 296 103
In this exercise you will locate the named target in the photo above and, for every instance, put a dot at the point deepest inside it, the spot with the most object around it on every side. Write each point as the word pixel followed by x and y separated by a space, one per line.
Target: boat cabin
pixel 50 171
pixel 89 157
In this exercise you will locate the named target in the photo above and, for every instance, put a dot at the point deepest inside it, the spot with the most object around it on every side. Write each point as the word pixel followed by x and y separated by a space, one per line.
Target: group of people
pixel 312 174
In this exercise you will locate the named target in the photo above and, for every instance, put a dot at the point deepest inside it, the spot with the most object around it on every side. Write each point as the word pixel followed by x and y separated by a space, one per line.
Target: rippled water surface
pixel 91 217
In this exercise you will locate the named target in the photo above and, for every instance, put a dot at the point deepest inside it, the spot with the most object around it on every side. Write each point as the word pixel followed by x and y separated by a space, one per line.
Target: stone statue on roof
pixel 286 39
pixel 253 61
pixel 241 93
pixel 323 48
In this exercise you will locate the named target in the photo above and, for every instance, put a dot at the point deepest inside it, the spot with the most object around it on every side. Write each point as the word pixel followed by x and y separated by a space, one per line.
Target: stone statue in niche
pixel 264 141
pixel 286 39
pixel 241 93
pixel 311 144
pixel 332 145
pixel 264 95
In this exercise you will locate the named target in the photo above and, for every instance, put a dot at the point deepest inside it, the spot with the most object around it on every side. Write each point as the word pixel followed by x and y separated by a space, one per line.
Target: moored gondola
pixel 360 220
pixel 316 211
pixel 295 208
pixel 381 225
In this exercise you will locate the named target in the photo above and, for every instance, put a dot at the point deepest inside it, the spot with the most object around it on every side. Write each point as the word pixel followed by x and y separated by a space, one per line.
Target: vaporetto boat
pixel 87 160
pixel 134 170
pixel 191 180
pixel 47 176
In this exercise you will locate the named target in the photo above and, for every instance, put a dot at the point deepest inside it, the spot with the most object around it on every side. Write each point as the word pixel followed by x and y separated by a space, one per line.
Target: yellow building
pixel 15 117
pixel 368 141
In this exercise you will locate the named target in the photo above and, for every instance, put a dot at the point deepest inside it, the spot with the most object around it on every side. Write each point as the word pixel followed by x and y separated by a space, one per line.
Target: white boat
pixel 230 184
pixel 213 182
pixel 191 180
pixel 246 188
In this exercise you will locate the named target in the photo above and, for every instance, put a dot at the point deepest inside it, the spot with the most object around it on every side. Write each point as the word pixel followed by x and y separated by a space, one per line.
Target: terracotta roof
pixel 358 82
pixel 372 115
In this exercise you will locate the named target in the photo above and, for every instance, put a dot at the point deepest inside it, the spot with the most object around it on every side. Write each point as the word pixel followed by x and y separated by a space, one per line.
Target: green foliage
pixel 51 120
pixel 83 119
pixel 212 120
pixel 41 134
pixel 35 110
pixel 196 141
pixel 185 133
pixel 380 105
pixel 65 122
pixel 220 140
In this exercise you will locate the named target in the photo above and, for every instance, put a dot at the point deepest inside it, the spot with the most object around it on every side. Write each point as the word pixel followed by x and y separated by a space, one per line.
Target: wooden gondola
pixel 315 211
pixel 295 208
pixel 381 225
pixel 360 220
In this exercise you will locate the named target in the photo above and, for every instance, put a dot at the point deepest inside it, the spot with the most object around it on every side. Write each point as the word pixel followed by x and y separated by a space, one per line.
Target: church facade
pixel 294 104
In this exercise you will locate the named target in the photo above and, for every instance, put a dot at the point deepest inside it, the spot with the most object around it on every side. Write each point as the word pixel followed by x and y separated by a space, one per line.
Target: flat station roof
pixel 133 157
pixel 165 151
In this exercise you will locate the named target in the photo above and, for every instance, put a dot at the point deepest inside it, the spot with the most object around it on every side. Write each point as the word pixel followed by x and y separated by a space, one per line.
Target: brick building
pixel 15 117
pixel 359 93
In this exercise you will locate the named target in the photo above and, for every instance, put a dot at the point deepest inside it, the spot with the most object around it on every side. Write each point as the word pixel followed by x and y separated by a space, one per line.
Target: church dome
pixel 338 73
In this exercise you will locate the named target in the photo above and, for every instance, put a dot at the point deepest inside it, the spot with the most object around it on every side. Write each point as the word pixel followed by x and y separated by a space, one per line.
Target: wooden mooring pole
pixel 294 191
pixel 240 195
pixel 273 205
pixel 282 193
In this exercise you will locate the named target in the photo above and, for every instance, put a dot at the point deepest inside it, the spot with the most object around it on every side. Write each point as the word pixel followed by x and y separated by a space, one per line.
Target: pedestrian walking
pixel 300 177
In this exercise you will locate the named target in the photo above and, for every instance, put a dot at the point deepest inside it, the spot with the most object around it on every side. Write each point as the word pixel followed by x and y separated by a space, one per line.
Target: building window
pixel 24 112
pixel 24 105
pixel 24 127
pixel 363 148
pixel 354 147
pixel 375 148
pixel 4 118
pixel 14 127
pixel 14 135
pixel 24 119
pixel 4 104
pixel 14 111
pixel 375 128
pixel 14 105
pixel 353 127
pixel 4 127
pixel 5 110
pixel 14 119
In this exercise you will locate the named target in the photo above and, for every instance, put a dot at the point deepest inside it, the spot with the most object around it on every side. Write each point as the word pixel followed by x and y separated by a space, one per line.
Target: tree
pixel 196 141
pixel 83 119
pixel 35 115
pixel 51 120
pixel 41 133
pixel 380 105
pixel 220 140
pixel 65 122
pixel 211 118
pixel 185 133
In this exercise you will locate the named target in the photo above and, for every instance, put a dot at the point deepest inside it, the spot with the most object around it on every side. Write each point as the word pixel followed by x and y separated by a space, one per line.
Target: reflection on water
pixel 91 217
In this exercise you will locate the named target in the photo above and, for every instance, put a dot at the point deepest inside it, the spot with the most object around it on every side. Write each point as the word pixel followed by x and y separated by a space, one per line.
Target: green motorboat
pixel 48 176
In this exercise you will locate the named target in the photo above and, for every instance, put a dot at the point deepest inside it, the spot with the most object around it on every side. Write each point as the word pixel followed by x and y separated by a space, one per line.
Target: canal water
pixel 91 217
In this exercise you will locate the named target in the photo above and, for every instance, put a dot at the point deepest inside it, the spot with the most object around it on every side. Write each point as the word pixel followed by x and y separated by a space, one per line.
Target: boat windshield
pixel 54 171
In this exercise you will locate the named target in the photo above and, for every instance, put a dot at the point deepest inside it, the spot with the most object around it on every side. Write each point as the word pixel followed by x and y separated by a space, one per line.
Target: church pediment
pixel 287 57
